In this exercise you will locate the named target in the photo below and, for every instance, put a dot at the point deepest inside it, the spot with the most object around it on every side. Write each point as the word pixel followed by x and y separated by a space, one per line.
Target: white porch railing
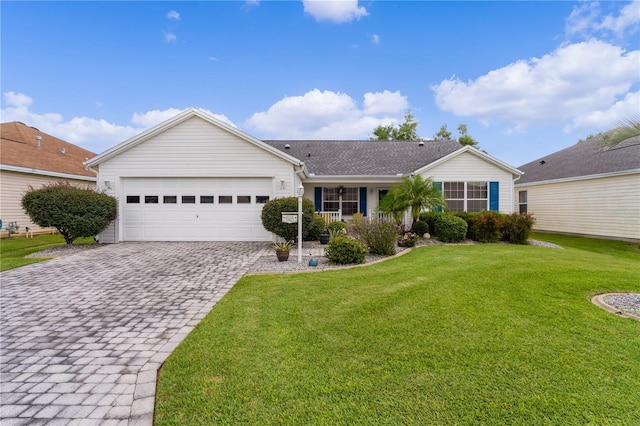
pixel 331 216
pixel 407 219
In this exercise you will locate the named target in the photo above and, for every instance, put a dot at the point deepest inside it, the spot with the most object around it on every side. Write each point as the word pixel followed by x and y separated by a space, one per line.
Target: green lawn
pixel 478 334
pixel 13 250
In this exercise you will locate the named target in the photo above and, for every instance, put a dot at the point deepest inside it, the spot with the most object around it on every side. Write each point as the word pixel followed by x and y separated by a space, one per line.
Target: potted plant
pixel 282 249
pixel 324 236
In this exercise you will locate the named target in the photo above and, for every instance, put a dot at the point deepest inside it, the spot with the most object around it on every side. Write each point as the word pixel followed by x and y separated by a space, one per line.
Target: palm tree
pixel 415 193
pixel 625 129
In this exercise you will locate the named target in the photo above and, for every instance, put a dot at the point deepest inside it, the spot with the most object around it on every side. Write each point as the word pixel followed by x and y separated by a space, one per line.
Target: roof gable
pixel 19 150
pixel 180 118
pixel 475 152
pixel 586 158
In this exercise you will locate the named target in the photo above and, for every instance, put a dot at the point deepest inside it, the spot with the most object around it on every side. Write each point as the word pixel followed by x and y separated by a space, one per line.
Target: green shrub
pixel 315 229
pixel 430 219
pixel 420 227
pixel 344 250
pixel 378 235
pixel 467 217
pixel 337 225
pixel 272 217
pixel 486 227
pixel 75 212
pixel 516 227
pixel 450 229
pixel 408 239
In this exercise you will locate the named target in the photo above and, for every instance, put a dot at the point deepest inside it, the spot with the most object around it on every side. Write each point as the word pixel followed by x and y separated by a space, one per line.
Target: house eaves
pixel 354 178
pixel 183 116
pixel 18 169
pixel 476 152
pixel 579 178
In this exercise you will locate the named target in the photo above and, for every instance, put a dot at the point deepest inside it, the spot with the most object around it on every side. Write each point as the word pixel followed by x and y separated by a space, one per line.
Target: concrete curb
pixel 598 300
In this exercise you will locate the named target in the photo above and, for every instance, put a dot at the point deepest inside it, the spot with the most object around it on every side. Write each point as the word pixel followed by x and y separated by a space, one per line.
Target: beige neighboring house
pixel 196 178
pixel 29 157
pixel 585 189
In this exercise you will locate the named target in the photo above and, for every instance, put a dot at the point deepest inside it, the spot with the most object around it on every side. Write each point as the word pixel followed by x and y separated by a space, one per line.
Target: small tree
pixel 404 132
pixel 443 134
pixel 75 212
pixel 272 217
pixel 415 193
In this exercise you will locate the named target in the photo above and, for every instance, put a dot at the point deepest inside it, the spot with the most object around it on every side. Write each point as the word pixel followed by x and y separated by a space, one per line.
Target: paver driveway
pixel 82 336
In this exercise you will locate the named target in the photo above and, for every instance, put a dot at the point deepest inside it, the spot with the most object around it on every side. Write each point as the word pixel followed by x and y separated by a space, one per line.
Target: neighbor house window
pixel 331 200
pixel 133 199
pixel 151 199
pixel 466 196
pixel 188 199
pixel 522 201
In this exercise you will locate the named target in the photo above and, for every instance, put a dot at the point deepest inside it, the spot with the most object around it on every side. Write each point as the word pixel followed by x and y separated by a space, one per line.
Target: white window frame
pixel 332 191
pixel 467 192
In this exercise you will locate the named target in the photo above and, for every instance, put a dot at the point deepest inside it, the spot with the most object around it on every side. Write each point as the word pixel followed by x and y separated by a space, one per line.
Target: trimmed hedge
pixel 450 229
pixel 516 227
pixel 486 227
pixel 420 227
pixel 272 217
pixel 344 250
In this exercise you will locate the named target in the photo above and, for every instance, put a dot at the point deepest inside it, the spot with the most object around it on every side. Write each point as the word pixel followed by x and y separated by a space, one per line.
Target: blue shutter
pixel 363 200
pixel 318 198
pixel 494 201
pixel 438 186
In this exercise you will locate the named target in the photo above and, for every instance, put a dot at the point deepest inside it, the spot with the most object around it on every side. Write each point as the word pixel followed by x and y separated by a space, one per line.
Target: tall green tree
pixel 464 138
pixel 443 134
pixel 415 193
pixel 406 131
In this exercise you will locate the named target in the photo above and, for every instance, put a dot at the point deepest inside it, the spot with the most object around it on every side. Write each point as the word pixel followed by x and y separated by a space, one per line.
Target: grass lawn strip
pixel 14 251
pixel 490 334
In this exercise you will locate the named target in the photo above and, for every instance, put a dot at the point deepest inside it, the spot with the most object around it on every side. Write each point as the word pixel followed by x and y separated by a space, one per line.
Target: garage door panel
pixel 199 221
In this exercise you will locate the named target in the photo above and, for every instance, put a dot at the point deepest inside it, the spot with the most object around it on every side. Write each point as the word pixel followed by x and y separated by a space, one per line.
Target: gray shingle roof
pixel 583 159
pixel 362 158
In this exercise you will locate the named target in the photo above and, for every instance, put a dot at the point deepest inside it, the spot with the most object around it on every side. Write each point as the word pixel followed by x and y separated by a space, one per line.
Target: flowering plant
pixel 408 239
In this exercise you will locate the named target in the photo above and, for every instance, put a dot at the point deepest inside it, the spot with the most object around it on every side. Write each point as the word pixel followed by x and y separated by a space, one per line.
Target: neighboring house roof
pixel 376 158
pixel 183 116
pixel 19 152
pixel 585 159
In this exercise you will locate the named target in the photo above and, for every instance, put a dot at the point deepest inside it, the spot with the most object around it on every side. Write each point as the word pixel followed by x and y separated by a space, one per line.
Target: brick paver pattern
pixel 82 337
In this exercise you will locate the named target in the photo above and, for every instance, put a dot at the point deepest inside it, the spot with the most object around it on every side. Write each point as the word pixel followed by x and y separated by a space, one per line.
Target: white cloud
pixel 94 134
pixel 173 15
pixel 17 99
pixel 586 20
pixel 604 119
pixel 328 115
pixel 375 39
pixel 170 37
pixel 385 102
pixel 338 11
pixel 568 83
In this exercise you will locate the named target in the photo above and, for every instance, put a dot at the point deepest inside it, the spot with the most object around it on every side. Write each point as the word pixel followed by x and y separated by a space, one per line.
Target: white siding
pixel 468 167
pixel 194 148
pixel 13 186
pixel 607 207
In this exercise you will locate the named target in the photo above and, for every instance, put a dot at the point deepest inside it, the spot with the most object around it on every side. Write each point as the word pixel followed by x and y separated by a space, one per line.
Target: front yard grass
pixel 13 251
pixel 473 334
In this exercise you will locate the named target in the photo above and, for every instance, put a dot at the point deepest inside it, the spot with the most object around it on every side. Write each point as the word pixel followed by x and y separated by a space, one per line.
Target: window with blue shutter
pixel 438 186
pixel 494 197
pixel 317 199
pixel 363 200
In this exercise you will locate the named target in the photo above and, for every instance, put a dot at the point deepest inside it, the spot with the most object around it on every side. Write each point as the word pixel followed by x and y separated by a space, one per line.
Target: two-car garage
pixel 194 209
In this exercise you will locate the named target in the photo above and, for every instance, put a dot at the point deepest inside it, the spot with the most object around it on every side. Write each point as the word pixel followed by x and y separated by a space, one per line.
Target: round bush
pixel 272 217
pixel 450 229
pixel 344 250
pixel 336 226
pixel 316 228
pixel 420 227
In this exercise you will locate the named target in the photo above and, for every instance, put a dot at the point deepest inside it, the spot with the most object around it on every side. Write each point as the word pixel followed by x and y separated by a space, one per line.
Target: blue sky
pixel 528 78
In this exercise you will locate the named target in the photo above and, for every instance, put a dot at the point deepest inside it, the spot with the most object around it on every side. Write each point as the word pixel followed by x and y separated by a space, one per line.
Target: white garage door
pixel 195 209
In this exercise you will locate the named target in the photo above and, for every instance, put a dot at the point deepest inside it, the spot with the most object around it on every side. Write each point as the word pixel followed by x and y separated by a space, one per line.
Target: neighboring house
pixel 585 189
pixel 196 178
pixel 31 158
